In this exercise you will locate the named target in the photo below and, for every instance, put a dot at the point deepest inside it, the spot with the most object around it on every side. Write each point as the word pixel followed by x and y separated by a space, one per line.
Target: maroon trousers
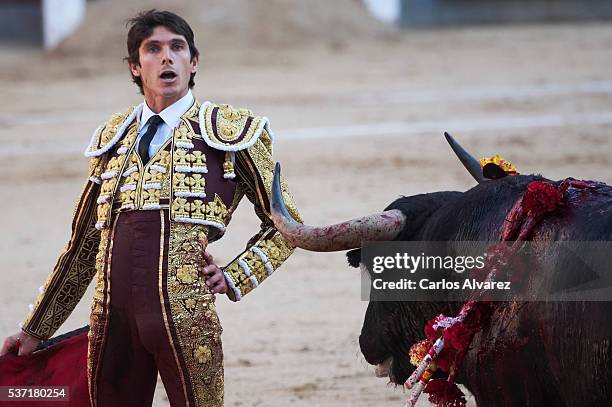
pixel 137 344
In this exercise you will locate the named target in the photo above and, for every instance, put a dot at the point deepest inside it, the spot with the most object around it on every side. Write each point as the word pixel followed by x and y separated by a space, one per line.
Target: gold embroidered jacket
pixel 216 156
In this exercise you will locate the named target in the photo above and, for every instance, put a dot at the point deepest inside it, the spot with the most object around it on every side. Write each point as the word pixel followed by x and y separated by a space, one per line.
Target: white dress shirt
pixel 171 117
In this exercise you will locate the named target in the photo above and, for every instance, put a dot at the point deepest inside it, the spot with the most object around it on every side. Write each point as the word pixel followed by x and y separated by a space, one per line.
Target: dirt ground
pixel 358 110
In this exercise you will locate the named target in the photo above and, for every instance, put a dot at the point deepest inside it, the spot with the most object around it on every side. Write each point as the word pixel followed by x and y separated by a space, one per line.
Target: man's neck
pixel 158 103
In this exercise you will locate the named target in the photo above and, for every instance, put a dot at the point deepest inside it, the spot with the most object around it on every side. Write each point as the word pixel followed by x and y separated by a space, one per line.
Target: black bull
pixel 531 353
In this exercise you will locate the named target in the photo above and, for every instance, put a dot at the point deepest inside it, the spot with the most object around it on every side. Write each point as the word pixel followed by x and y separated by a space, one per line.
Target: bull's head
pixel 506 350
pixel 383 341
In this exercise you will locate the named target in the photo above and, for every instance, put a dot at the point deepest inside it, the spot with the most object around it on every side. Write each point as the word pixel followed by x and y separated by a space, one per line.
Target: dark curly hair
pixel 141 27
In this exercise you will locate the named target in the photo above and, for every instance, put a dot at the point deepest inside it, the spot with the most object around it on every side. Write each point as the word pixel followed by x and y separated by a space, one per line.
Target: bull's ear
pixel 493 171
pixel 354 257
pixel 496 167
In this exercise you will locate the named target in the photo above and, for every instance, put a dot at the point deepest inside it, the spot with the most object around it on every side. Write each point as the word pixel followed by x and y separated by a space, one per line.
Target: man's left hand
pixel 215 280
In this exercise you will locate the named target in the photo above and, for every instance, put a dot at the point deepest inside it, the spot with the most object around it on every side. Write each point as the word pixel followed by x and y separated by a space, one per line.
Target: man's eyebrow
pixel 151 42
pixel 157 42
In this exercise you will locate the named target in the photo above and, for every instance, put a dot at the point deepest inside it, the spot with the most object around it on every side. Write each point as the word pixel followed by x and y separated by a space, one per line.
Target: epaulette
pixel 228 129
pixel 110 132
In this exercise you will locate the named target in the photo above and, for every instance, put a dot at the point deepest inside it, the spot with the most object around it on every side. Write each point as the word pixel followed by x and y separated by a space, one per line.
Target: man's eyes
pixel 175 47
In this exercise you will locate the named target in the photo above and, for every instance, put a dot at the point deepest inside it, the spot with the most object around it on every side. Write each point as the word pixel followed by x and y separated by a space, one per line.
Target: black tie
pixel 145 140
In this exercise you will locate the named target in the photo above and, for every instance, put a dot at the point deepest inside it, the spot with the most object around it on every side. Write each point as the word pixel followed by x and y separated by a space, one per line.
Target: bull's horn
pixel 342 236
pixel 469 162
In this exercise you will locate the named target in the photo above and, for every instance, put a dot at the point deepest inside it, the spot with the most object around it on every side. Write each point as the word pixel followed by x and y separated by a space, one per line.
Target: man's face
pixel 165 65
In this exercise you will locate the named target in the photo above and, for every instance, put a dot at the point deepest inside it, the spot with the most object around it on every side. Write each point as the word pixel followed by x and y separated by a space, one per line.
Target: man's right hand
pixel 21 341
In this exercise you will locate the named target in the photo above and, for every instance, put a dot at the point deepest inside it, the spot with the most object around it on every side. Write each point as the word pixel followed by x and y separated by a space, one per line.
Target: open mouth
pixel 383 369
pixel 168 75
